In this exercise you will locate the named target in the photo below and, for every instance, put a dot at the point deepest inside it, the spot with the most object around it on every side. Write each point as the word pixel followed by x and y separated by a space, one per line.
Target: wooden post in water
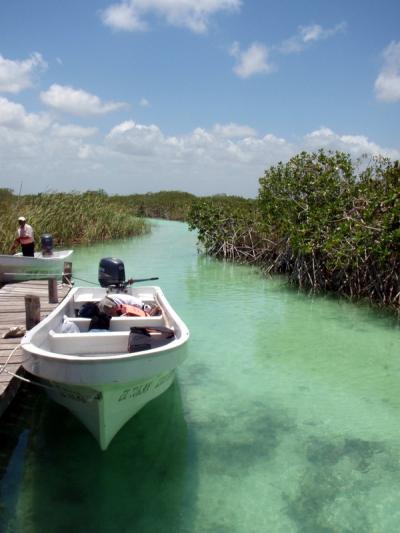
pixel 53 294
pixel 67 274
pixel 32 310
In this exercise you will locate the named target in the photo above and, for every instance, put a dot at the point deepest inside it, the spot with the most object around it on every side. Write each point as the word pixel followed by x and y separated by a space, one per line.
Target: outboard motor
pixel 111 272
pixel 47 244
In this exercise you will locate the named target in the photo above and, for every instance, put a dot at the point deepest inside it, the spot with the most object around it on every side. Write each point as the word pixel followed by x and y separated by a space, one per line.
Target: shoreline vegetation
pixel 72 218
pixel 328 224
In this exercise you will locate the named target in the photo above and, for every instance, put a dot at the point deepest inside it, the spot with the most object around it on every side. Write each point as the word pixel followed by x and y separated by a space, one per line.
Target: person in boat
pixel 25 237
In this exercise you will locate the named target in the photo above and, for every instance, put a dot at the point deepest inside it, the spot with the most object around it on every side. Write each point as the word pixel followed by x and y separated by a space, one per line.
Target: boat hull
pixel 129 367
pixel 21 268
pixel 105 409
pixel 92 374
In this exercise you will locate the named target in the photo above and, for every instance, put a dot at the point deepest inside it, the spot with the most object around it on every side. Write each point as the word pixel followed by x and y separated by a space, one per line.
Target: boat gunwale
pixel 38 352
pixel 47 258
pixel 46 354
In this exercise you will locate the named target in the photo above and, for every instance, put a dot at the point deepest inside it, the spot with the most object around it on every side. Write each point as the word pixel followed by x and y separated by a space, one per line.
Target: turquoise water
pixel 284 418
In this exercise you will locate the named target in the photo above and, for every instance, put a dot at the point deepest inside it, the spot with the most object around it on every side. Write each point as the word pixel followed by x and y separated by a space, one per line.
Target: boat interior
pixel 112 341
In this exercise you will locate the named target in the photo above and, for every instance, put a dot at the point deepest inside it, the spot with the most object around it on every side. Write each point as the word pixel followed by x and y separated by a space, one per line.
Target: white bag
pixel 68 326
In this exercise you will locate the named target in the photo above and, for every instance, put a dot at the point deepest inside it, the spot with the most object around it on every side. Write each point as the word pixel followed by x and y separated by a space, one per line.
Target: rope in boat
pixel 86 281
pixel 43 385
pixel 3 368
pixel 67 281
pixel 49 387
pixel 28 380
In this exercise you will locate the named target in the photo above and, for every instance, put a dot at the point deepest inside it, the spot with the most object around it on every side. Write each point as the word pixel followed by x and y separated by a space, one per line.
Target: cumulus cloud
pixel 73 131
pixel 226 158
pixel 124 17
pixel 77 101
pixel 356 145
pixel 252 61
pixel 15 117
pixel 307 35
pixel 85 152
pixel 129 15
pixel 256 59
pixel 387 84
pixel 136 139
pixel 231 142
pixel 18 75
pixel 133 157
pixel 36 150
pixel 234 130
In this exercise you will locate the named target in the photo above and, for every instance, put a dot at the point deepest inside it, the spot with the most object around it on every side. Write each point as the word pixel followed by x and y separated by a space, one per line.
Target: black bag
pixel 140 338
pixel 89 310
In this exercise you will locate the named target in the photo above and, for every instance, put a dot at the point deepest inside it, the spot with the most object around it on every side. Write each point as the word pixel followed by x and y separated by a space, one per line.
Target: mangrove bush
pixel 326 222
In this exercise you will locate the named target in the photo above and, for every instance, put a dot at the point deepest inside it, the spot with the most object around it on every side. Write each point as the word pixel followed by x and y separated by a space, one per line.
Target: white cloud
pixel 85 152
pixel 193 14
pixel 387 84
pixel 123 17
pixel 135 157
pixel 137 139
pixel 252 61
pixel 144 102
pixel 18 75
pixel 77 101
pixel 307 35
pixel 233 130
pixel 73 131
pixel 256 59
pixel 310 33
pixel 14 116
pixel 355 145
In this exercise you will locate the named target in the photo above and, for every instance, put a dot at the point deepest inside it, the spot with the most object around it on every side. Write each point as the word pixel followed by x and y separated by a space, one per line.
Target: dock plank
pixel 12 313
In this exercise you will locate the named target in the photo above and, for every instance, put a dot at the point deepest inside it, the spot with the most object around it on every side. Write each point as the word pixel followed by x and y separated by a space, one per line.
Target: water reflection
pixel 70 485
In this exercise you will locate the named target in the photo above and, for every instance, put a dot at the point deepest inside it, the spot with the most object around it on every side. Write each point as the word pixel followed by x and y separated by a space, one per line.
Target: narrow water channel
pixel 284 418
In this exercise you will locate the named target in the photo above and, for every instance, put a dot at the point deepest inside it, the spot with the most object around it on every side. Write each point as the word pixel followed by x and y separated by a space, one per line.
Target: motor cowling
pixel 46 241
pixel 111 272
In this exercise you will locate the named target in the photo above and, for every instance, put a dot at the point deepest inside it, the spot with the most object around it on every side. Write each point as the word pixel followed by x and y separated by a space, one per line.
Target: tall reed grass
pixel 71 218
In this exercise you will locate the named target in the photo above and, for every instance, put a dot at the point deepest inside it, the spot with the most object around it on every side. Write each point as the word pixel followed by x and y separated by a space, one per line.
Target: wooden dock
pixel 12 313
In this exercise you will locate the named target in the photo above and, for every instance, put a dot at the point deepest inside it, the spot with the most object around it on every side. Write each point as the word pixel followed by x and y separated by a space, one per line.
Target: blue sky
pixel 192 95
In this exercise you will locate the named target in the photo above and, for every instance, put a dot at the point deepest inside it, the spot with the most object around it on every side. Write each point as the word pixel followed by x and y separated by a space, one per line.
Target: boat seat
pixel 96 343
pixel 122 323
pixel 145 296
pixel 89 343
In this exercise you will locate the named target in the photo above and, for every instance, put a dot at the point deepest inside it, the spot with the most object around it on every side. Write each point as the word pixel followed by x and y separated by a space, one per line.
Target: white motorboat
pixel 92 373
pixel 21 268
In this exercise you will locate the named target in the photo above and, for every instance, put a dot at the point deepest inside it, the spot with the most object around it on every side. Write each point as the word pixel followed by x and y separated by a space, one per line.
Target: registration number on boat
pixel 133 392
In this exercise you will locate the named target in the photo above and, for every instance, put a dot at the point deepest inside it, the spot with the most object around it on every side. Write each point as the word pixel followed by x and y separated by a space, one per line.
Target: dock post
pixel 32 310
pixel 53 294
pixel 67 274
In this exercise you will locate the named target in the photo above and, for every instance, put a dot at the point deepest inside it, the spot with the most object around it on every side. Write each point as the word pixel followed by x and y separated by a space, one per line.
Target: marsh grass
pixel 71 218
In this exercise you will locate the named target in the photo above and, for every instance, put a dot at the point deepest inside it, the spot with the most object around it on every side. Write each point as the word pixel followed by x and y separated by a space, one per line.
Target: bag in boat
pixel 88 310
pixel 68 326
pixel 140 338
pixel 130 310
